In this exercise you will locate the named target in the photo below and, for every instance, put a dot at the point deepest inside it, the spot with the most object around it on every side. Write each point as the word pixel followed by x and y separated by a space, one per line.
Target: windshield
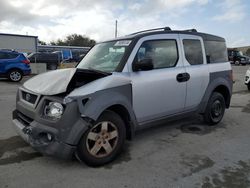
pixel 239 53
pixel 105 56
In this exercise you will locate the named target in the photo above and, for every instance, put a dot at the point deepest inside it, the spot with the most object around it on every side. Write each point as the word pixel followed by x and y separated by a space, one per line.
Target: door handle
pixel 183 77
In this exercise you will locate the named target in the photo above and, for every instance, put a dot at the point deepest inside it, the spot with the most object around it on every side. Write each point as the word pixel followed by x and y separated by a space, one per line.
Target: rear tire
pixel 237 63
pixel 103 142
pixel 52 66
pixel 215 109
pixel 15 75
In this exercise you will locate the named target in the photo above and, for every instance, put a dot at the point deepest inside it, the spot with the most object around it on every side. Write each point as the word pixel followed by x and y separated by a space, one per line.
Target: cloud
pixel 55 19
pixel 232 11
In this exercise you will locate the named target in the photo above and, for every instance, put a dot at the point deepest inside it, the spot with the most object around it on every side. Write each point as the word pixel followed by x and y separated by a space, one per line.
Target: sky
pixel 50 20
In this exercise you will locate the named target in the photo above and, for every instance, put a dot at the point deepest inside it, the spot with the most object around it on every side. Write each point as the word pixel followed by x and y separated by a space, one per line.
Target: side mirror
pixel 143 65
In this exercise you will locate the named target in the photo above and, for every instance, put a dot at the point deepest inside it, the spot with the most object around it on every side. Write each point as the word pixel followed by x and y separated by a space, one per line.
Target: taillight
pixel 26 61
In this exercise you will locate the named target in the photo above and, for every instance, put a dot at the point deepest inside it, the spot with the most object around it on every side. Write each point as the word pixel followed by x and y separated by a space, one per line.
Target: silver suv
pixel 120 86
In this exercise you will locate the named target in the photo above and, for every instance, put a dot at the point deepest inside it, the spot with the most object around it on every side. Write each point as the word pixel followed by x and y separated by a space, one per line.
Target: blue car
pixel 13 65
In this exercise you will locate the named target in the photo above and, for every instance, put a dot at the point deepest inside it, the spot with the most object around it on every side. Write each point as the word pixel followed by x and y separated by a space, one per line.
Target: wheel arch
pixel 118 100
pixel 222 89
pixel 220 85
pixel 122 111
pixel 14 68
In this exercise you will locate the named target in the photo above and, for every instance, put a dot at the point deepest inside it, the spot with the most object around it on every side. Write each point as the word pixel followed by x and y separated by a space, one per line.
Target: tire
pixel 15 75
pixel 215 109
pixel 237 63
pixel 52 66
pixel 91 148
pixel 248 86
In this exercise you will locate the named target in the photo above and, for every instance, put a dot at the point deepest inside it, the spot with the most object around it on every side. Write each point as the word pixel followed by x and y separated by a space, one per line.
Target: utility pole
pixel 116 28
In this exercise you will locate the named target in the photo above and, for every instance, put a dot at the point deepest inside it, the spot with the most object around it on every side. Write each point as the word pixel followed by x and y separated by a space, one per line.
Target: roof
pixel 55 46
pixel 167 30
pixel 17 35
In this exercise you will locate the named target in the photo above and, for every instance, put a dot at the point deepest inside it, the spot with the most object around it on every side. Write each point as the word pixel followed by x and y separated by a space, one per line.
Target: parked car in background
pixel 236 57
pixel 13 65
pixel 247 79
pixel 51 59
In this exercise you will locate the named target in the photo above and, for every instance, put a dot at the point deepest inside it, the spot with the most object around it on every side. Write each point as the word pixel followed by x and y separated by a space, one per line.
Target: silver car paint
pixel 156 93
pixel 114 80
pixel 199 76
pixel 50 83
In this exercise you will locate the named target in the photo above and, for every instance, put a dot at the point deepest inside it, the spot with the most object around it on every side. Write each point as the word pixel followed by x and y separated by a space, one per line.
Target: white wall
pixel 19 43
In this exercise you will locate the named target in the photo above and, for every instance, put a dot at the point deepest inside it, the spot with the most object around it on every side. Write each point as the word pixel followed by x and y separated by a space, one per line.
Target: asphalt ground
pixel 184 153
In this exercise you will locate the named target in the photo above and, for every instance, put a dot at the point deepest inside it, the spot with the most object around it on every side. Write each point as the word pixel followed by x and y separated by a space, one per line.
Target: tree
pixel 75 40
pixel 41 42
pixel 248 52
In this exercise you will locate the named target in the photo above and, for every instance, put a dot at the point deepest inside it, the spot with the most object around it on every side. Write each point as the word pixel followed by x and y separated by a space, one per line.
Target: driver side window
pixel 164 53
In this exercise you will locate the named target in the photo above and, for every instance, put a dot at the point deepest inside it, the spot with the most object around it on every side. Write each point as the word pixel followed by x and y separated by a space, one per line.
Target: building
pixel 53 48
pixel 20 43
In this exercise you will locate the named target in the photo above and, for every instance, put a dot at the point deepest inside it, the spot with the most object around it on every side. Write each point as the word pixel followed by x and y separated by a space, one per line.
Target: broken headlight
pixel 53 110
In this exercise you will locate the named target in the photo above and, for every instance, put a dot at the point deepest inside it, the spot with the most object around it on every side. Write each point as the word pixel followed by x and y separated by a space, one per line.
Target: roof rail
pixel 190 30
pixel 156 29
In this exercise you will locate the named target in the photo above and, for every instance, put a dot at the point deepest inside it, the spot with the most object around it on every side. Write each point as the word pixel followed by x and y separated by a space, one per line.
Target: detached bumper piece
pixel 42 138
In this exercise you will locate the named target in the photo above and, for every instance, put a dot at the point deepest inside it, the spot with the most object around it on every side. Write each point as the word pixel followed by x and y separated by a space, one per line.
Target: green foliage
pixel 41 42
pixel 75 40
pixel 248 52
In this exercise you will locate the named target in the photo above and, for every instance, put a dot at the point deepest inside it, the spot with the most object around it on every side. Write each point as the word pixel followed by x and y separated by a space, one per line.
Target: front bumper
pixel 35 135
pixel 54 138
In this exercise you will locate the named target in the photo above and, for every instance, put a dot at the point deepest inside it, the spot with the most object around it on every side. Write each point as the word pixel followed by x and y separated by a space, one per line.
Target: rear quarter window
pixel 216 51
pixel 193 51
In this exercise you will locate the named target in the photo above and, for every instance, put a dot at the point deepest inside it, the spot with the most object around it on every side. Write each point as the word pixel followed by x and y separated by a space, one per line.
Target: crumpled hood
pixel 50 83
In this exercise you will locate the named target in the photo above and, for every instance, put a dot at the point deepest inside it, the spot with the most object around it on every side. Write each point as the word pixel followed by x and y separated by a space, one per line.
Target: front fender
pixel 101 100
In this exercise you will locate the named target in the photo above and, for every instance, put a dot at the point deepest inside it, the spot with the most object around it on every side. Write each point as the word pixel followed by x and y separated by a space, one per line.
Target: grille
pixel 31 98
pixel 25 120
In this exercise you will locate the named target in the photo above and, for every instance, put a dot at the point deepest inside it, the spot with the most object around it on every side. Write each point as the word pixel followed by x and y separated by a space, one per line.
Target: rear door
pixel 157 93
pixel 196 66
pixel 6 59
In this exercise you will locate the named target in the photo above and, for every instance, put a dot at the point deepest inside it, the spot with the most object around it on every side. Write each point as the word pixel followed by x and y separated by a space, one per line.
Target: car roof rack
pixel 191 30
pixel 149 30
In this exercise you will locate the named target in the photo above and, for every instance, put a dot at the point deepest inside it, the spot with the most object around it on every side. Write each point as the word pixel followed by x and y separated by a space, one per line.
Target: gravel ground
pixel 184 153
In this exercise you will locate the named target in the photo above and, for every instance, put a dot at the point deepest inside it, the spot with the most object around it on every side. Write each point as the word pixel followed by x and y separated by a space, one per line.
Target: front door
pixel 157 93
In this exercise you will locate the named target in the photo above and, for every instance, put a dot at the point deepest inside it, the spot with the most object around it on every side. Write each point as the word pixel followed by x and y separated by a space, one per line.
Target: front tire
pixel 248 86
pixel 15 75
pixel 215 109
pixel 103 142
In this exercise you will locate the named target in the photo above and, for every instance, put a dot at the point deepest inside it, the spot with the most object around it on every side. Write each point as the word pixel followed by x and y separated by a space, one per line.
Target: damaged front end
pixel 42 117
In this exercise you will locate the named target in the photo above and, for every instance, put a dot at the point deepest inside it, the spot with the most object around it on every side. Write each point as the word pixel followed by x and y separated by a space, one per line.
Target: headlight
pixel 53 110
pixel 242 59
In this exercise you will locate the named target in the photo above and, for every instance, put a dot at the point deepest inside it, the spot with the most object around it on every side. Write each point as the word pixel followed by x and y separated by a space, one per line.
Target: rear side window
pixel 193 51
pixel 12 56
pixel 216 51
pixel 164 53
pixel 7 55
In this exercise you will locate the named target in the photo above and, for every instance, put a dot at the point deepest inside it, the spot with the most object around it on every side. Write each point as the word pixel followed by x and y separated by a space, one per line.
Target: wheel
pixel 237 63
pixel 103 142
pixel 15 75
pixel 215 109
pixel 52 66
pixel 248 86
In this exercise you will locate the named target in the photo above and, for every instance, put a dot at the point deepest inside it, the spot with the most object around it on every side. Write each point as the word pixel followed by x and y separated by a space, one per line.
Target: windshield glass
pixel 239 53
pixel 105 56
